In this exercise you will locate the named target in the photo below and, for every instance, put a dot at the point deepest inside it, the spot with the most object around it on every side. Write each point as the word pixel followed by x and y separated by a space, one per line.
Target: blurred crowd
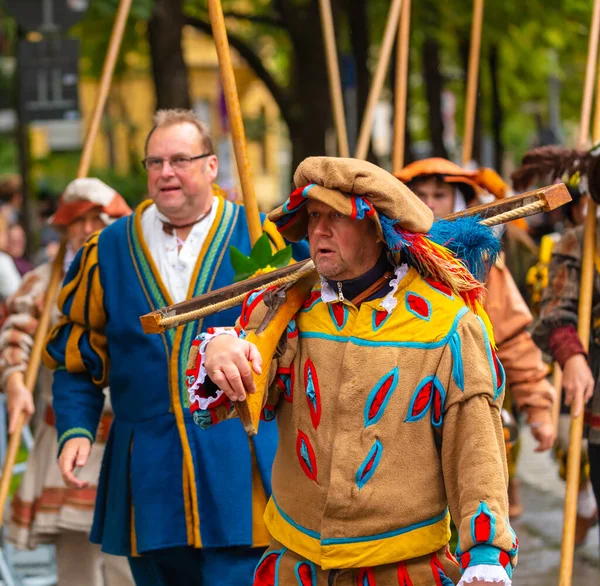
pixel 16 257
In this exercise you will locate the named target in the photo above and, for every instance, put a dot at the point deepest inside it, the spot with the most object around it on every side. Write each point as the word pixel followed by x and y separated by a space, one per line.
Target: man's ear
pixel 213 167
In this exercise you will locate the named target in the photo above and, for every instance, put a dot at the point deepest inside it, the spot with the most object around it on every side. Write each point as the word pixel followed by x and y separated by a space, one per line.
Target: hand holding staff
pixel 56 277
pixel 585 310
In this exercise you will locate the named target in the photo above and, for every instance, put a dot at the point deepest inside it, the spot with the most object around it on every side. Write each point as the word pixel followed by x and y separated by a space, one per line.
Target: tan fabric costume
pixel 388 414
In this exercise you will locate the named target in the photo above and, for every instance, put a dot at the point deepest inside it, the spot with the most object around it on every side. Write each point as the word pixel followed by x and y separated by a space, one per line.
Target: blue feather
pixel 474 244
pixel 393 239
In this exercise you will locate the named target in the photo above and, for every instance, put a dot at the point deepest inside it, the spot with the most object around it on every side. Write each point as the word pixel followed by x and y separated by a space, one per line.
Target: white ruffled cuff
pixel 205 402
pixel 485 574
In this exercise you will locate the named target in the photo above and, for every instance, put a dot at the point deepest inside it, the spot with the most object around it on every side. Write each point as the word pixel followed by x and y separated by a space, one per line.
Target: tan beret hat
pixel 353 187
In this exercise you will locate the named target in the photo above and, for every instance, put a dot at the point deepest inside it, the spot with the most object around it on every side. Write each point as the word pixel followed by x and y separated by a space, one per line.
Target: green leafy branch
pixel 261 260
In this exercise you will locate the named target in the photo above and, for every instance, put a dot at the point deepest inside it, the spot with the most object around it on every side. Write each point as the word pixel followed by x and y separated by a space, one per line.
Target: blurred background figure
pixel 16 248
pixel 11 198
pixel 10 279
pixel 44 510
pixel 554 286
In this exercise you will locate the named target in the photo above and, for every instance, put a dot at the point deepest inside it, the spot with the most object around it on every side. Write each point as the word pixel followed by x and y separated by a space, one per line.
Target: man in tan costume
pixel 387 393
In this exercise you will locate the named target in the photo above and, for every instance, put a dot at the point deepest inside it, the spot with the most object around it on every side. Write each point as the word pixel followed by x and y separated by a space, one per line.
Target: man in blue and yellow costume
pixel 386 389
pixel 185 506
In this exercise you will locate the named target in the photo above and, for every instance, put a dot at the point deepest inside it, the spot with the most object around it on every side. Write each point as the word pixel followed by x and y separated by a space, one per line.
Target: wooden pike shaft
pixel 333 73
pixel 585 310
pixel 217 21
pixel 364 137
pixel 472 81
pixel 33 365
pixel 401 88
pixel 552 197
pixel 576 431
pixel 590 72
pixel 557 384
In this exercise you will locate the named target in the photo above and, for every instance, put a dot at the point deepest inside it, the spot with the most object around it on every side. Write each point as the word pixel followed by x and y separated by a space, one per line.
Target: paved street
pixel 540 527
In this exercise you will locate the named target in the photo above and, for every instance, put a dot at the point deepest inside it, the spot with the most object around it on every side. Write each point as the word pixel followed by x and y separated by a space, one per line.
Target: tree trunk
pixel 358 21
pixel 168 67
pixel 434 84
pixel 311 113
pixel 305 104
pixel 497 112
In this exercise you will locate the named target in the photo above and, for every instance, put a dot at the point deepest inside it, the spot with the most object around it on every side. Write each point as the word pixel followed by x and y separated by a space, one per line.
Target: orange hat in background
pixel 85 194
pixel 450 172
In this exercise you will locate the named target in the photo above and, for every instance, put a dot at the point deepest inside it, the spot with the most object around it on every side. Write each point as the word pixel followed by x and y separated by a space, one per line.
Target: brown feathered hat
pixel 554 163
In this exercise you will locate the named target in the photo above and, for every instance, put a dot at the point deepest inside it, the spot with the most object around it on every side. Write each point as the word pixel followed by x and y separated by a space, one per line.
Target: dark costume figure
pixel 556 331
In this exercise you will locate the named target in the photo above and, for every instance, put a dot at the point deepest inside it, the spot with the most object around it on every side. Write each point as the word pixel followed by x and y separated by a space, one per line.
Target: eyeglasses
pixel 178 162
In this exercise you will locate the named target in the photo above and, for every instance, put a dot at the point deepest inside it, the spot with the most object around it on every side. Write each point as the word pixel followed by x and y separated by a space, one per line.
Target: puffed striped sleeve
pixel 77 350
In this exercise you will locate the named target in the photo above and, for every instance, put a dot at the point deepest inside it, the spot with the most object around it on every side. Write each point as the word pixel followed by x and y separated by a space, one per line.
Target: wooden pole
pixel 333 73
pixel 472 82
pixel 585 310
pixel 232 101
pixel 401 88
pixel 364 137
pixel 557 384
pixel 33 365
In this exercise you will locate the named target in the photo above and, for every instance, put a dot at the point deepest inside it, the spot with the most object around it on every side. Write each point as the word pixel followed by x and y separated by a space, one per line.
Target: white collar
pixel 328 295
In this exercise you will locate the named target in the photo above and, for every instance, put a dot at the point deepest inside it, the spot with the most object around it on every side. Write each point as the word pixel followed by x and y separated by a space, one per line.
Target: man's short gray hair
pixel 164 118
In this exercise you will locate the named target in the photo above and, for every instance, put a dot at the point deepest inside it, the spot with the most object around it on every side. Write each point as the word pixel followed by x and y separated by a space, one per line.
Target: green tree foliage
pixel 281 40
pixel 535 40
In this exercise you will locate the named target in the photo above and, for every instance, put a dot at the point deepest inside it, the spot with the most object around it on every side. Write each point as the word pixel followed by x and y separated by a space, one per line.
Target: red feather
pixel 440 287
